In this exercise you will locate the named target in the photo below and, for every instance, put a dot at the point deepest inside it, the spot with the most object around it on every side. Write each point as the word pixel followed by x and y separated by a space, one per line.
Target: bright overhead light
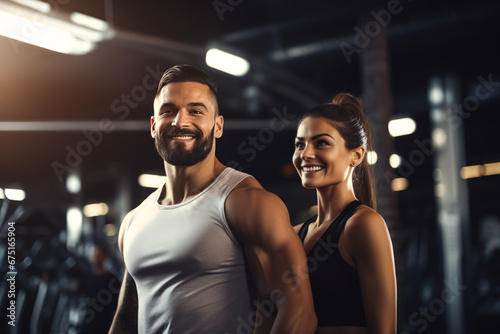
pixel 33 26
pixel 95 209
pixel 399 184
pixel 227 62
pixel 73 184
pixel 151 181
pixel 74 224
pixel 402 127
pixel 469 172
pixel 395 160
pixel 371 157
pixel 439 137
pixel 47 37
pixel 89 21
pixel 436 95
pixel 15 194
pixel 35 4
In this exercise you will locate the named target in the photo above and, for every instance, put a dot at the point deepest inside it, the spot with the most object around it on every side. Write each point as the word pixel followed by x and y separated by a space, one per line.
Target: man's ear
pixel 358 155
pixel 219 126
pixel 153 126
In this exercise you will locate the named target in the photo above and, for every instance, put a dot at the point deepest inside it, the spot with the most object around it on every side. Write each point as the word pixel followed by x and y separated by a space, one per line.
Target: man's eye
pixel 194 111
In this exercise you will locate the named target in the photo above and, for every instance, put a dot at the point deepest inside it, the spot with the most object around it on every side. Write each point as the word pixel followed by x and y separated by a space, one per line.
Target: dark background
pixel 425 39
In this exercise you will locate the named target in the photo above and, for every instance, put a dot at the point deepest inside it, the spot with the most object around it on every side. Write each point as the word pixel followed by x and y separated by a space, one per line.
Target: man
pixel 189 246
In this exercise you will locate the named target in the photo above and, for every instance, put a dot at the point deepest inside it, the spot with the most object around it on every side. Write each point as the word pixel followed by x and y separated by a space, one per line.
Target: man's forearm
pixel 294 319
pixel 125 321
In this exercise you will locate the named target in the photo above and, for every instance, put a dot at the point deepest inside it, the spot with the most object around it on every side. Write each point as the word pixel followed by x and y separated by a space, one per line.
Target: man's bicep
pixel 274 252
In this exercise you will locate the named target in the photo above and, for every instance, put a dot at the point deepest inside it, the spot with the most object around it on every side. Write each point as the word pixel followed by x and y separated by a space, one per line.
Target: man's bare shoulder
pixel 123 227
pixel 297 227
pixel 250 209
pixel 249 193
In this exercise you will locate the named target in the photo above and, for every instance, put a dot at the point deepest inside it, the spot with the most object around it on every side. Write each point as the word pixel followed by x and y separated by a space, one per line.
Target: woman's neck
pixel 332 200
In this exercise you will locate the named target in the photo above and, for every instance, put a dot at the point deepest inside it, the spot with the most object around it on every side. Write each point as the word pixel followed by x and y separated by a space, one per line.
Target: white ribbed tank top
pixel 188 267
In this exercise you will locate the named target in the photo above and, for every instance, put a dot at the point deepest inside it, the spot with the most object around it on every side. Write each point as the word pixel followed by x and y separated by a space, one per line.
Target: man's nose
pixel 180 120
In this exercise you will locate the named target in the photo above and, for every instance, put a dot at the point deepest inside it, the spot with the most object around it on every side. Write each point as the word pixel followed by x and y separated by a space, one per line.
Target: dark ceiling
pixel 296 62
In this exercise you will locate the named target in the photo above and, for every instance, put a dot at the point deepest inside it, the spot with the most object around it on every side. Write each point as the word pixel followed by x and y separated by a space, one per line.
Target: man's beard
pixel 175 153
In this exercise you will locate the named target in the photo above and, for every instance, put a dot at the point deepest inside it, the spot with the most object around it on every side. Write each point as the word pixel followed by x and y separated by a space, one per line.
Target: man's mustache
pixel 179 132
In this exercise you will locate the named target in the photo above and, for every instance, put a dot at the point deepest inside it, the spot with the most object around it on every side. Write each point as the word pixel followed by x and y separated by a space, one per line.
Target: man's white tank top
pixel 188 266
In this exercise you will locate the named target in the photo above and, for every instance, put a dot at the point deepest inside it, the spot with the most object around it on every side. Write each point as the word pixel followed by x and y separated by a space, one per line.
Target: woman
pixel 350 257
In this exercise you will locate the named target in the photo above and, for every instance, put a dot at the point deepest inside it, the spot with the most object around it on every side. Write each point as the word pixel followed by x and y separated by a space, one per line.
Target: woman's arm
pixel 368 242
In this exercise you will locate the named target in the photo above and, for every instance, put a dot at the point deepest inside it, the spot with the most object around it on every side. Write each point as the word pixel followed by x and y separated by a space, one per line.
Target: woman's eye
pixel 299 144
pixel 321 143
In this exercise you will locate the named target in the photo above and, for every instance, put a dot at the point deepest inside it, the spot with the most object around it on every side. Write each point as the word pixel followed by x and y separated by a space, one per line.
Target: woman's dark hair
pixel 346 114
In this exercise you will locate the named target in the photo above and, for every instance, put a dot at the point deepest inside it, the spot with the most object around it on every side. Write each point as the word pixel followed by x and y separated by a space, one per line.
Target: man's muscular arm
pixel 275 256
pixel 125 320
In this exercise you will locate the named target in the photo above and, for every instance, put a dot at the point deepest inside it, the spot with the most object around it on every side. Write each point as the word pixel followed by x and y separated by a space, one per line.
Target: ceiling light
pixel 74 224
pixel 395 160
pixel 227 62
pixel 436 95
pixel 470 172
pixel 95 209
pixel 371 157
pixel 73 184
pixel 402 127
pixel 399 184
pixel 30 24
pixel 15 194
pixel 151 181
pixel 35 4
pixel 89 21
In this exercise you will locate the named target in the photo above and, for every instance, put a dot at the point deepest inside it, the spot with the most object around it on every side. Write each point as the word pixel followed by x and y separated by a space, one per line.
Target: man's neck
pixel 186 182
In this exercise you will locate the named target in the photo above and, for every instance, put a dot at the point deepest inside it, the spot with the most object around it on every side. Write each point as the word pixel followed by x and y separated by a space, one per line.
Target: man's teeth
pixel 184 137
pixel 312 169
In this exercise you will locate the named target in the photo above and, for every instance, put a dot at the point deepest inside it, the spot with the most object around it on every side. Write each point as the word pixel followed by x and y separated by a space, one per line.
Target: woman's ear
pixel 357 156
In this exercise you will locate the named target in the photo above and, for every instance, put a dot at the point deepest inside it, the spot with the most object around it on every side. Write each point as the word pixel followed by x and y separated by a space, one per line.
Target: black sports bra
pixel 335 284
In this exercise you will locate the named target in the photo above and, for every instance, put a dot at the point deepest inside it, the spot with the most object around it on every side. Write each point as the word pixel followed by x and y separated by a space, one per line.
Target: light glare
pixel 15 194
pixel 402 127
pixel 35 4
pixel 436 95
pixel 395 160
pixel 89 21
pixel 227 62
pixel 44 36
pixel 470 172
pixel 399 184
pixel 74 224
pixel 73 184
pixel 371 157
pixel 151 181
pixel 95 209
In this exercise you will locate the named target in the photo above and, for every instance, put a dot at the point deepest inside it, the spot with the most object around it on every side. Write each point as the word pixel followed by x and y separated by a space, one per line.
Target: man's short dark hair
pixel 186 73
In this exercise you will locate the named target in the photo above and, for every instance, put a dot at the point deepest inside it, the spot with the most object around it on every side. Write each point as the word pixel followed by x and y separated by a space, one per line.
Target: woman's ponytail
pixel 358 133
